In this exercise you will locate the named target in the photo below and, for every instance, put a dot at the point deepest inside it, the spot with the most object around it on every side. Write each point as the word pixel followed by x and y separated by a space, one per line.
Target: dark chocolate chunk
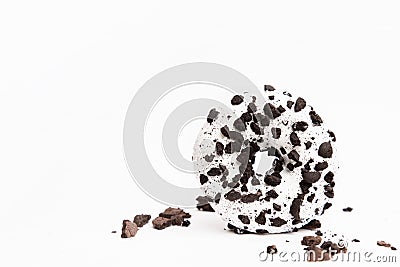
pixel 289 104
pixel 233 195
pixel 355 240
pixel 294 139
pixel 348 209
pixel 290 166
pixel 283 151
pixel 308 144
pixel 278 165
pixel 272 249
pixel 203 179
pixel 170 212
pixel 310 177
pixel 260 219
pixel 261 119
pixel 161 223
pixel 271 194
pixel 287 93
pixel 212 115
pixel 255 181
pixel 277 222
pixel 315 118
pixel 329 191
pixel 269 88
pixel 255 128
pixel 214 172
pixel 249 198
pixel 393 248
pixel 325 150
pixel 329 177
pixel 310 198
pixel 300 104
pixel 225 131
pixel 271 111
pixel 129 229
pixel 305 186
pixel 209 158
pixel 276 132
pixel 295 208
pixel 244 219
pixel 176 220
pixel 300 126
pixel 273 179
pixel 293 155
pixel 320 166
pixel 219 148
pixel 383 244
pixel 277 207
pixel 237 99
pixel 315 254
pixel 246 117
pixel 252 108
pixel 271 97
pixel 311 240
pixel 141 220
pixel 281 109
pixel 312 225
pixel 232 147
pixel 239 125
pixel 113 232
pixel 318 233
pixel 326 206
pixel 332 135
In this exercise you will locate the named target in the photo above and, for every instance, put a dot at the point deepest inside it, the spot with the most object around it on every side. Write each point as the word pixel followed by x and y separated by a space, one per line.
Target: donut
pixel 294 190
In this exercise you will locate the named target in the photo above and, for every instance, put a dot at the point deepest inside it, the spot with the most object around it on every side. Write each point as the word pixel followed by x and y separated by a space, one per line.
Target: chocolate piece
pixel 295 208
pixel 293 155
pixel 315 118
pixel 271 194
pixel 311 240
pixel 271 97
pixel 281 109
pixel 383 244
pixel 272 249
pixel 246 117
pixel 244 219
pixel 294 139
pixel 255 128
pixel 141 220
pixel 214 172
pixel 185 223
pixel 393 248
pixel 318 233
pixel 308 144
pixel 203 204
pixel 300 126
pixel 212 115
pixel 300 104
pixel 249 198
pixel 269 88
pixel 325 150
pixel 161 223
pixel 276 132
pixel 332 135
pixel 219 148
pixel 355 240
pixel 225 131
pixel 277 222
pixel 312 225
pixel 203 179
pixel 277 207
pixel 252 108
pixel 348 209
pixel 289 104
pixel 113 232
pixel 320 166
pixel 239 125
pixel 129 229
pixel 311 177
pixel 170 212
pixel 237 99
pixel 274 179
pixel 271 111
pixel 329 177
pixel 260 219
pixel 232 195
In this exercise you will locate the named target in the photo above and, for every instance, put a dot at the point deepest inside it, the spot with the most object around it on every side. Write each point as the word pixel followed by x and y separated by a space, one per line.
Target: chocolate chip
pixel 129 229
pixel 308 144
pixel 277 207
pixel 289 104
pixel 212 115
pixel 233 195
pixel 113 232
pixel 315 254
pixel 332 135
pixel 237 99
pixel 325 150
pixel 320 166
pixel 290 166
pixel 269 88
pixel 300 126
pixel 236 136
pixel 274 179
pixel 239 125
pixel 203 179
pixel 293 155
pixel 277 222
pixel 252 108
pixel 246 117
pixel 255 181
pixel 348 209
pixel 312 225
pixel 393 248
pixel 232 147
pixel 315 118
pixel 255 128
pixel 225 131
pixel 214 172
pixel 271 111
pixel 219 148
pixel 311 177
pixel 281 109
pixel 294 139
pixel 260 219
pixel 278 165
pixel 271 194
pixel 329 177
pixel 311 240
pixel 244 219
pixel 300 104
pixel 272 249
pixel 276 132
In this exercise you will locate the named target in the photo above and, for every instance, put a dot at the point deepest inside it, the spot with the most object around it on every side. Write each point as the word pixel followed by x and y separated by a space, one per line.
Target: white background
pixel 69 69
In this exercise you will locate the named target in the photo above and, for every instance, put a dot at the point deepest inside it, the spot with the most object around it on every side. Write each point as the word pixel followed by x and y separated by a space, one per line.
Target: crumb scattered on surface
pixel 129 229
pixel 272 249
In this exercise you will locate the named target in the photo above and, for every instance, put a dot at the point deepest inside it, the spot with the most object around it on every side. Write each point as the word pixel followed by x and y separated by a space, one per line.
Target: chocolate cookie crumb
pixel 237 99
pixel 141 220
pixel 311 240
pixel 161 223
pixel 114 232
pixel 355 240
pixel 348 209
pixel 383 244
pixel 312 225
pixel 129 229
pixel 325 150
pixel 185 223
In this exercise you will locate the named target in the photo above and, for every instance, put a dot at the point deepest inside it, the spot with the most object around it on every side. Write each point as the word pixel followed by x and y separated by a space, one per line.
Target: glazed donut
pixel 296 189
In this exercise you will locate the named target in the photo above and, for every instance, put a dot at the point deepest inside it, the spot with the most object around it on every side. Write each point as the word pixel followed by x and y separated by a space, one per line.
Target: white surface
pixel 69 70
